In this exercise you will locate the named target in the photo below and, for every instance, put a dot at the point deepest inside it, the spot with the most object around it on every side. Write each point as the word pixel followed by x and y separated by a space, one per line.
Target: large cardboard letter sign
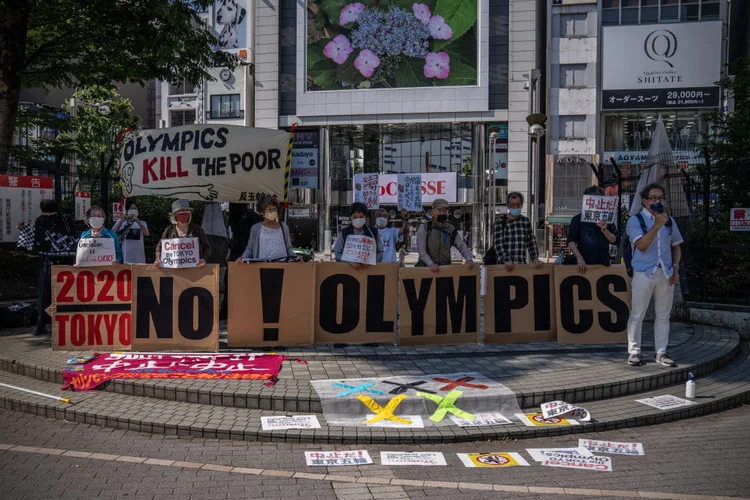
pixel 439 308
pixel 594 307
pixel 176 309
pixel 91 308
pixel 271 304
pixel 520 306
pixel 356 306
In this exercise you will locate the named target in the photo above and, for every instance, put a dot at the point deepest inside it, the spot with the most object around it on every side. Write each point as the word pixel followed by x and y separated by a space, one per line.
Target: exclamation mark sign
pixel 271 283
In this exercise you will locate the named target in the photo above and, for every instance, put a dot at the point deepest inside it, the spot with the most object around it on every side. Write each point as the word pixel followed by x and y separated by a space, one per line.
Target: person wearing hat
pixel 48 227
pixel 358 212
pixel 435 239
pixel 181 227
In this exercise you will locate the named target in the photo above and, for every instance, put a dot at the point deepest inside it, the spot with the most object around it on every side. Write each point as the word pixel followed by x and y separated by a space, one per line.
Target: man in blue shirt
pixel 656 262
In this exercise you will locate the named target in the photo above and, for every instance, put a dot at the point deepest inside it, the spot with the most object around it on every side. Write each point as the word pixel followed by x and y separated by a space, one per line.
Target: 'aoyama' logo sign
pixel 660 45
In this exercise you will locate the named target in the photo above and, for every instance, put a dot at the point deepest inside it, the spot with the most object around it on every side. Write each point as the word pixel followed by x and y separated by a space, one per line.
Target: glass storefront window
pixel 632 131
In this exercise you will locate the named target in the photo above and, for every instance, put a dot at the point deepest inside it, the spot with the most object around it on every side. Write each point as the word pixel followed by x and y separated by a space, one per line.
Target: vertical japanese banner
pixel 176 309
pixel 520 306
pixel 439 308
pixel 19 202
pixel 271 304
pixel 91 308
pixel 83 203
pixel 410 192
pixel 367 189
pixel 592 308
pixel 356 306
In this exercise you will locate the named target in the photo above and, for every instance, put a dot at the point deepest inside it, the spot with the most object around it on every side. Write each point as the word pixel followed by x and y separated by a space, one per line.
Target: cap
pixel 439 203
pixel 178 205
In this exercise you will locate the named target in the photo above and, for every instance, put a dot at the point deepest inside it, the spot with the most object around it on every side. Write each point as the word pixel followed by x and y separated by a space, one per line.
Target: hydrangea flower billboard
pixel 391 43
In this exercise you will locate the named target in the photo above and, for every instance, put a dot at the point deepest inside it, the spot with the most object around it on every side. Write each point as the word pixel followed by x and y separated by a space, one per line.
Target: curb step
pixel 723 389
pixel 707 350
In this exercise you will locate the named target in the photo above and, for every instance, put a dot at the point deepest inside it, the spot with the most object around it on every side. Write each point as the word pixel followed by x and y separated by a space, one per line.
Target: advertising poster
pixel 305 158
pixel 19 202
pixel 231 24
pixel 205 163
pixel 391 44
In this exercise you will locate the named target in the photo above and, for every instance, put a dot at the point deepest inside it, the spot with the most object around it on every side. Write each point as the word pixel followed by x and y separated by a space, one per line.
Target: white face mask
pixel 133 212
pixel 96 222
pixel 381 222
pixel 358 223
pixel 272 215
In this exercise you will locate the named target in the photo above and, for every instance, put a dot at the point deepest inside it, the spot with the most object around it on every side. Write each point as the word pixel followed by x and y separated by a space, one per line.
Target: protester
pixel 49 225
pixel 268 240
pixel 589 241
pixel 241 219
pixel 131 231
pixel 435 239
pixel 358 212
pixel 95 218
pixel 390 236
pixel 181 227
pixel 655 271
pixel 514 236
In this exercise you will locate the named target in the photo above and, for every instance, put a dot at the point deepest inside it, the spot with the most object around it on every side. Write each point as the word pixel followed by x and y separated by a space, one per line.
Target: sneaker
pixel 635 360
pixel 664 360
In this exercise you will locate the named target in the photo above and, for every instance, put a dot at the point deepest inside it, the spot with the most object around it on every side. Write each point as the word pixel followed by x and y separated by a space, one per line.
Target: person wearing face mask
pixel 131 231
pixel 656 243
pixel 358 212
pixel 95 217
pixel 514 236
pixel 269 240
pixel 436 238
pixel 181 227
pixel 389 236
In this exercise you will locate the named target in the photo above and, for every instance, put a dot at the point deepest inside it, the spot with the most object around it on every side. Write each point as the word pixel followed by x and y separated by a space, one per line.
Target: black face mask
pixel 441 218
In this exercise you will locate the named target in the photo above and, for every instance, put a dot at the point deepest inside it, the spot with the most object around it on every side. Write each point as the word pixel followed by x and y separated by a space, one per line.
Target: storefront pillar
pixel 479 178
pixel 324 193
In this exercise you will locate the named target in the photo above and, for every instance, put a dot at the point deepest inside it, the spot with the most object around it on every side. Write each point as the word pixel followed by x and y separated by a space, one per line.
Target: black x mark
pixel 405 387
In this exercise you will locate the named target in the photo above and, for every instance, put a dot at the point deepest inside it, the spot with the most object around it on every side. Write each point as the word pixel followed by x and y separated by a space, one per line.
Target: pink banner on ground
pixel 104 367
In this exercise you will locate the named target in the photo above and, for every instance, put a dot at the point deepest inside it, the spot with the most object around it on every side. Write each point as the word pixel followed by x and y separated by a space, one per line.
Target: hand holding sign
pixel 410 192
pixel 599 208
pixel 95 252
pixel 360 249
pixel 180 252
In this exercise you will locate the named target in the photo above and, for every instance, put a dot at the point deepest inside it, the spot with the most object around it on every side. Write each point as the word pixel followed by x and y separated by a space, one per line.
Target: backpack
pixel 490 257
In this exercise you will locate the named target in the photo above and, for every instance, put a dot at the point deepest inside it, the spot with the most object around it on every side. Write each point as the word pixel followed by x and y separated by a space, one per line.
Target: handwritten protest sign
pixel 332 458
pixel 537 454
pixel 205 162
pixel 612 447
pixel 563 409
pixel 575 461
pixel 410 192
pixel 95 252
pixel 360 249
pixel 177 253
pixel 366 189
pixel 599 208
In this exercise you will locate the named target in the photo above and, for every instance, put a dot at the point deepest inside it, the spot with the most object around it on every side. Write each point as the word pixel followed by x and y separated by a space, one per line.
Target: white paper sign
pixel 95 252
pixel 180 252
pixel 612 447
pixel 83 203
pixel 410 192
pixel 576 461
pixel 599 208
pixel 740 219
pixel 360 249
pixel 666 402
pixel 537 454
pixel 422 458
pixel 19 202
pixel 481 420
pixel 366 189
pixel 563 409
pixel 289 422
pixel 337 458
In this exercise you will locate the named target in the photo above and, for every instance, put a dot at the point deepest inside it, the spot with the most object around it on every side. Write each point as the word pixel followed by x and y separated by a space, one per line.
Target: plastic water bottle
pixel 690 387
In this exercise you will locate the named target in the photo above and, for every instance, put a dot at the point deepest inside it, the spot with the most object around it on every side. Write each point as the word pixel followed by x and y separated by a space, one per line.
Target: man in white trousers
pixel 656 262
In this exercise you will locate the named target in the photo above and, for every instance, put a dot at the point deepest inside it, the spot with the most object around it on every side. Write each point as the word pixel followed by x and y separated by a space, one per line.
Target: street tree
pixel 57 43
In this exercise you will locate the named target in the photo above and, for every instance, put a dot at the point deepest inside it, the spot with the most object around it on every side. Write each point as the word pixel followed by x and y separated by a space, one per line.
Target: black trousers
pixel 44 291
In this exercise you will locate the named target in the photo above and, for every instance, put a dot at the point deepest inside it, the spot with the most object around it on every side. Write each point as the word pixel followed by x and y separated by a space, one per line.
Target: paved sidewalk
pixel 703 456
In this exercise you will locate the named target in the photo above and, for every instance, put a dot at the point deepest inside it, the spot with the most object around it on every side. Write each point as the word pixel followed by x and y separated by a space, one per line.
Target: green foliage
pixel 460 15
pixel 461 74
pixel 411 73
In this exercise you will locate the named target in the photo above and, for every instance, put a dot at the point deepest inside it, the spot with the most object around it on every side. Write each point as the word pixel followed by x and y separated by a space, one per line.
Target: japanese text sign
pixel 360 249
pixel 599 208
pixel 410 192
pixel 366 189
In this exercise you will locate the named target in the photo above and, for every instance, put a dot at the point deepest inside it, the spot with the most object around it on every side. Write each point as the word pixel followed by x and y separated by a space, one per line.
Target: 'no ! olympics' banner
pixel 205 162
pixel 146 308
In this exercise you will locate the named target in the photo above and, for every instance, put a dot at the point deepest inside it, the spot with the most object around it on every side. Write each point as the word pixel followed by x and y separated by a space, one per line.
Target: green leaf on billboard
pixel 461 74
pixel 460 15
pixel 407 4
pixel 410 73
pixel 347 73
pixel 332 9
pixel 324 74
pixel 463 49
pixel 315 52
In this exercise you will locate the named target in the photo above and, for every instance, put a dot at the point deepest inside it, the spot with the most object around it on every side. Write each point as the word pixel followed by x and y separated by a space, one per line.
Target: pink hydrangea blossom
pixel 439 30
pixel 366 62
pixel 437 65
pixel 421 12
pixel 338 49
pixel 350 13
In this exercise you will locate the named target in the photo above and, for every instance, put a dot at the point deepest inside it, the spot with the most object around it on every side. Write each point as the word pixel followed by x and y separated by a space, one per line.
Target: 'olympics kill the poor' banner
pixel 205 162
